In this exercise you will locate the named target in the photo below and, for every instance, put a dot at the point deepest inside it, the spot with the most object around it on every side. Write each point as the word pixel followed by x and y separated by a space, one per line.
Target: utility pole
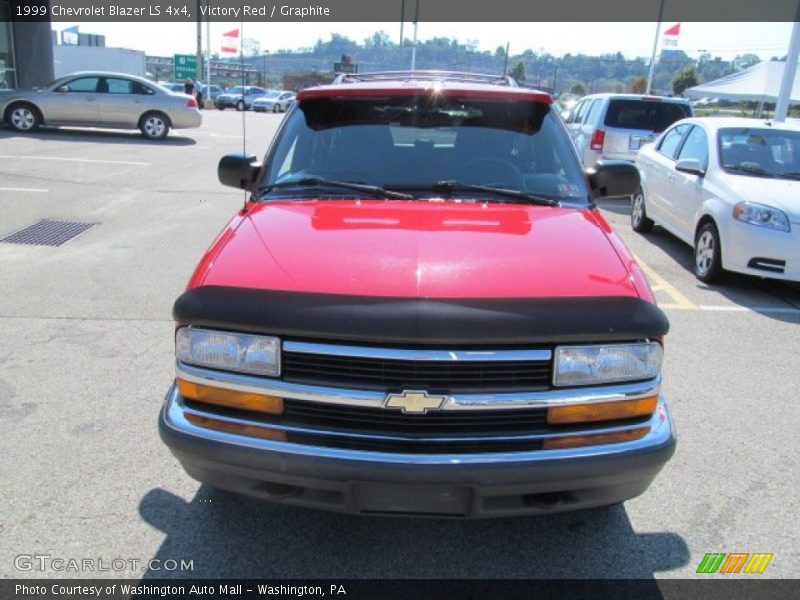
pixel 655 47
pixel 505 60
pixel 208 50
pixel 414 46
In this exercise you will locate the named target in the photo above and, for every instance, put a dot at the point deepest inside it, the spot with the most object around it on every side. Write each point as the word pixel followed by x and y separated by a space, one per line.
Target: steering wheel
pixel 492 172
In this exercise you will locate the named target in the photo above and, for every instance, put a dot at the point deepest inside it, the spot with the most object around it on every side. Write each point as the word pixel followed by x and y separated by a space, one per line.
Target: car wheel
pixel 220 107
pixel 276 108
pixel 639 220
pixel 22 117
pixel 708 254
pixel 154 126
pixel 240 106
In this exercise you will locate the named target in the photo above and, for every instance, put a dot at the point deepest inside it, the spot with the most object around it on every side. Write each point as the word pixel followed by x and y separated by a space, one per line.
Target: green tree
pixel 639 85
pixel 518 71
pixel 683 79
pixel 578 89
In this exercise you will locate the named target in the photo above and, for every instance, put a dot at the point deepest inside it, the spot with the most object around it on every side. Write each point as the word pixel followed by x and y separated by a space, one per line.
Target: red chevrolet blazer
pixel 420 311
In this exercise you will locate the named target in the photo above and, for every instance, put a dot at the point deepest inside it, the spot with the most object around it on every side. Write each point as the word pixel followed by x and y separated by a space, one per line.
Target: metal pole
pixel 505 61
pixel 655 47
pixel 402 23
pixel 789 71
pixel 414 46
pixel 197 71
pixel 208 49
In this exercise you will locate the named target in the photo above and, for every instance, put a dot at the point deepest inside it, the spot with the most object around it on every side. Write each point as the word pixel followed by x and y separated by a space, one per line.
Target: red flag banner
pixel 230 42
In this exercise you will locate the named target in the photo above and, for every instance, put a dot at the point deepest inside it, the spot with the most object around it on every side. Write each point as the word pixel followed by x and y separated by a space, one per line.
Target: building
pixel 26 51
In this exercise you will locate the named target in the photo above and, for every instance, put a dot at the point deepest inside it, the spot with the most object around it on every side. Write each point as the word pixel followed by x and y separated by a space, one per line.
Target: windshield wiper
pixel 750 169
pixel 320 182
pixel 449 186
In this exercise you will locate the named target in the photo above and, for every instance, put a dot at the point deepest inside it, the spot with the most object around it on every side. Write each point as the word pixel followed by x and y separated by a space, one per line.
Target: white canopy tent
pixel 760 83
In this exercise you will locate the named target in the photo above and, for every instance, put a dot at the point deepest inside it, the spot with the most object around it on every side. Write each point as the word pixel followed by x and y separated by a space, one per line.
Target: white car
pixel 729 187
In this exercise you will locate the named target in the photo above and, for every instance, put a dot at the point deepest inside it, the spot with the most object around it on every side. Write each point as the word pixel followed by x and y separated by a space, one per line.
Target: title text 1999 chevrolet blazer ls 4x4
pixel 420 311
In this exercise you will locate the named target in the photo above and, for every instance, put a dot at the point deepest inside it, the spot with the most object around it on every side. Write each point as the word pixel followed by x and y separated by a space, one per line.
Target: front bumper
pixel 745 245
pixel 495 484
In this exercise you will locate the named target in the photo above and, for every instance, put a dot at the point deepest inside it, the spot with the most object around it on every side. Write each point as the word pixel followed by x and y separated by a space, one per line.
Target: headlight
pixel 253 354
pixel 760 214
pixel 607 363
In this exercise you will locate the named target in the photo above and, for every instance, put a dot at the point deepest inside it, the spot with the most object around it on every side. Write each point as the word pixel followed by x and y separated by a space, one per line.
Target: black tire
pixel 154 125
pixel 240 105
pixel 23 117
pixel 220 107
pixel 276 108
pixel 708 254
pixel 640 223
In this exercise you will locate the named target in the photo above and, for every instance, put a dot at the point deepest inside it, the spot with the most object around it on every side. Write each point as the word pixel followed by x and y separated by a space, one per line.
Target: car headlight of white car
pixel 242 353
pixel 606 363
pixel 761 215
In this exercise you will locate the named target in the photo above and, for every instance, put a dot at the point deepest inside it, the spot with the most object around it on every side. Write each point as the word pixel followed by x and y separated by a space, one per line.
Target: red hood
pixel 419 249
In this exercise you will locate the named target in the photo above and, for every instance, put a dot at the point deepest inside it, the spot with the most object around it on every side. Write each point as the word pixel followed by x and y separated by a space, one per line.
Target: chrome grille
pixel 430 370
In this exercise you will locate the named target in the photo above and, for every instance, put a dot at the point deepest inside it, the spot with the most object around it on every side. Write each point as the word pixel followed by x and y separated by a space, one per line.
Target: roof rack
pixel 426 76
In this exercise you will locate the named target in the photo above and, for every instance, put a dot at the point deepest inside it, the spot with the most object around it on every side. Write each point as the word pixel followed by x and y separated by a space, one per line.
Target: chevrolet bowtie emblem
pixel 414 402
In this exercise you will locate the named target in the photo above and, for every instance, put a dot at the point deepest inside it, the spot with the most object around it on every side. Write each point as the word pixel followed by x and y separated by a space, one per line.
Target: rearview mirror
pixel 238 170
pixel 691 166
pixel 612 178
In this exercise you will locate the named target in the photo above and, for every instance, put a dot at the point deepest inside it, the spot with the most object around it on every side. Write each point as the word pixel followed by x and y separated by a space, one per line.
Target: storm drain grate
pixel 47 233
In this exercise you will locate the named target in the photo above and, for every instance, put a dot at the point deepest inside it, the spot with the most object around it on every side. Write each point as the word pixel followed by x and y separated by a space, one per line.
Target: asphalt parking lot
pixel 87 356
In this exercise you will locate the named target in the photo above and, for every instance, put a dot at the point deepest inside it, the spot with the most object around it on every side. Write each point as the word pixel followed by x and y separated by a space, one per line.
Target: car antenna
pixel 244 93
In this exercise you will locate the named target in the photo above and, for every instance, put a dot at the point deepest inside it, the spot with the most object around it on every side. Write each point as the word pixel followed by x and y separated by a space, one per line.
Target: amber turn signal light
pixel 230 398
pixel 596 439
pixel 601 411
pixel 228 427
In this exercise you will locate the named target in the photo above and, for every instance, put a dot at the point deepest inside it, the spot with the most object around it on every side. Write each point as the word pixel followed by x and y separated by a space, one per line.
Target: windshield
pixel 413 143
pixel 236 90
pixel 761 151
pixel 271 95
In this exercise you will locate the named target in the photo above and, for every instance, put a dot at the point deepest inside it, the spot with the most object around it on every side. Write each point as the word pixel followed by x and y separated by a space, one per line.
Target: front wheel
pixel 240 106
pixel 708 254
pixel 276 108
pixel 640 223
pixel 154 126
pixel 22 118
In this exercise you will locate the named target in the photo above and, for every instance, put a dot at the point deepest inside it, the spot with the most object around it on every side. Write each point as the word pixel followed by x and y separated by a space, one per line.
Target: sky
pixel 632 39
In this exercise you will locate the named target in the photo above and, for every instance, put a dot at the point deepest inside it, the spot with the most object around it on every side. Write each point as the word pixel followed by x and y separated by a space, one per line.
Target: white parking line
pixel 82 160
pixel 758 309
pixel 37 190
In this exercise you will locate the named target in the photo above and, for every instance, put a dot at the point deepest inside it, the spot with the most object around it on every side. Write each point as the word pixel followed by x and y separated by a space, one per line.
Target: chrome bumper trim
pixel 376 399
pixel 174 418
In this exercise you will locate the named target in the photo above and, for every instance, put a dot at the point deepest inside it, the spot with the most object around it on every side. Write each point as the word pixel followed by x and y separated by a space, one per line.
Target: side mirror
pixel 238 170
pixel 62 89
pixel 691 166
pixel 612 178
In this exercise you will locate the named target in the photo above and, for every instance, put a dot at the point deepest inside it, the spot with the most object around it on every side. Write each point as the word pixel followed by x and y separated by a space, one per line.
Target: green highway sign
pixel 185 67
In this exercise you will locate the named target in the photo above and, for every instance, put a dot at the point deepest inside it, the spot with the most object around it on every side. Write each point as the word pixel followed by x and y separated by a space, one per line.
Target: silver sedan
pixel 100 99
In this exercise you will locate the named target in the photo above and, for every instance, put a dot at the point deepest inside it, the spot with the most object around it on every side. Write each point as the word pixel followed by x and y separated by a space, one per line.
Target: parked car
pixel 239 97
pixel 173 87
pixel 615 126
pixel 729 187
pixel 208 91
pixel 276 101
pixel 420 311
pixel 101 99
